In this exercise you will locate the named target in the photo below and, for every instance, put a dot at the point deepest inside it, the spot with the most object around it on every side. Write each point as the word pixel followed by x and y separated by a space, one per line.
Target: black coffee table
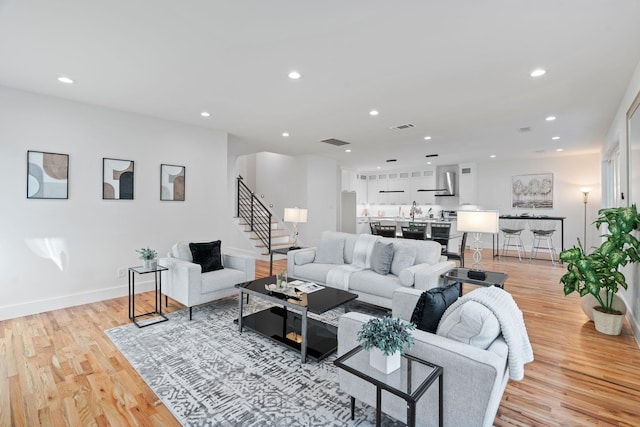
pixel 287 322
pixel 493 278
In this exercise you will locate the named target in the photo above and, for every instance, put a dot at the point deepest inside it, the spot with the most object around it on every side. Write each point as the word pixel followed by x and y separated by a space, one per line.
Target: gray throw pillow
pixel 381 257
pixel 403 257
pixel 330 252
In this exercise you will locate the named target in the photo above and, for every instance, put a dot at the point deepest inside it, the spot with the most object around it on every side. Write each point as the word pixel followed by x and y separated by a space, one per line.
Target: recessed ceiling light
pixel 493 156
pixel 559 149
pixel 428 163
pixel 427 138
pixel 373 112
pixel 550 118
pixel 285 134
pixel 538 72
pixel 294 75
pixel 205 114
pixel 66 80
pixel 348 150
pixel 555 138
pixel 378 167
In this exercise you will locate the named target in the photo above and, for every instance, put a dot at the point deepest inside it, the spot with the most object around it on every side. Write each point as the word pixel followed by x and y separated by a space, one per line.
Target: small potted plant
pixel 385 338
pixel 597 273
pixel 148 257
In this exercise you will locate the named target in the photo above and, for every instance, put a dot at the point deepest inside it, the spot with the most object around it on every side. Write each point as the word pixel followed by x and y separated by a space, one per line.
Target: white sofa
pixel 474 378
pixel 373 288
pixel 188 285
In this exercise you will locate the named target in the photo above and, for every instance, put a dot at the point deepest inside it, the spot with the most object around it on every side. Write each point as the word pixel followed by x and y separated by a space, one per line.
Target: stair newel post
pixel 252 198
pixel 269 245
pixel 238 180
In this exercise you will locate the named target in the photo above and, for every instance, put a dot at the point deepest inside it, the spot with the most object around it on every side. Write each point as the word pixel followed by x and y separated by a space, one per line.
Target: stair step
pixel 275 244
pixel 276 236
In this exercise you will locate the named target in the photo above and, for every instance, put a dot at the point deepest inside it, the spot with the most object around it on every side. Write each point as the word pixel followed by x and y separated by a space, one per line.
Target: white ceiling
pixel 457 70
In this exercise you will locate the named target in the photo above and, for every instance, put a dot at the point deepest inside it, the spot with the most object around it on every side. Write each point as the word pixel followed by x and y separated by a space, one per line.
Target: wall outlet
pixel 121 272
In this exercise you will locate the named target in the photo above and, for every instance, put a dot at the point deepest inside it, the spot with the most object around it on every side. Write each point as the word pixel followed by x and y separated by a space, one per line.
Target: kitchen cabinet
pixel 372 189
pixel 361 189
pixel 349 180
pixel 420 180
pixel 383 185
pixel 468 184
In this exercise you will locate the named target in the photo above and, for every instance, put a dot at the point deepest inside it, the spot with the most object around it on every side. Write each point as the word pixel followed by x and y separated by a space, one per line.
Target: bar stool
pixel 543 232
pixel 511 229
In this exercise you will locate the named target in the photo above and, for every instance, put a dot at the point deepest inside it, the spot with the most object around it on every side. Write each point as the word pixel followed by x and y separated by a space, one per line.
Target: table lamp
pixel 295 216
pixel 478 222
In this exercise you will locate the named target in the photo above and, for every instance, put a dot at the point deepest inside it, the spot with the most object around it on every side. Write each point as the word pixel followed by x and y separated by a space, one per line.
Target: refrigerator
pixel 348 212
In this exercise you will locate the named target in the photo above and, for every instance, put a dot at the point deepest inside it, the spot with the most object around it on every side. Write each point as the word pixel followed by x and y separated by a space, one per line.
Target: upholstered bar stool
pixel 511 230
pixel 543 233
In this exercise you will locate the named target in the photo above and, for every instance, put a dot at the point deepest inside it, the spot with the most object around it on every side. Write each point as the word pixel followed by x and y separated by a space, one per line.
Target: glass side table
pixel 407 383
pixel 158 295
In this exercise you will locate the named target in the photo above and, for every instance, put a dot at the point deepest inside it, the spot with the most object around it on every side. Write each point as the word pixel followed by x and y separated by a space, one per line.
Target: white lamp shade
pixel 479 221
pixel 296 215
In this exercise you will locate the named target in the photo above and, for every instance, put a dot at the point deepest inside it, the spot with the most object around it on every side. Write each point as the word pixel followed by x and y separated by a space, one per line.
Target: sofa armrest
pixel 404 301
pixel 429 275
pixel 292 260
pixel 184 280
pixel 244 263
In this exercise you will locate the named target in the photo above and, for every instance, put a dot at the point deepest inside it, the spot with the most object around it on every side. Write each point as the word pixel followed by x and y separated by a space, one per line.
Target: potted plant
pixel 148 257
pixel 597 273
pixel 385 339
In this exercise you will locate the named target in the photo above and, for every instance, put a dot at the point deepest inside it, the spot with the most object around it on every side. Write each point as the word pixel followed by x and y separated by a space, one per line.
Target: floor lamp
pixel 585 197
pixel 295 216
pixel 478 222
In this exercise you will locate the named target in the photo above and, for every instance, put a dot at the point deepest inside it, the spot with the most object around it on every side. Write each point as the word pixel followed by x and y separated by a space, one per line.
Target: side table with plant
pixel 148 257
pixel 598 273
pixel 385 338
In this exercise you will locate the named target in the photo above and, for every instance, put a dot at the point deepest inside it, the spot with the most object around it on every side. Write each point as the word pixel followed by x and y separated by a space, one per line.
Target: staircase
pixel 262 227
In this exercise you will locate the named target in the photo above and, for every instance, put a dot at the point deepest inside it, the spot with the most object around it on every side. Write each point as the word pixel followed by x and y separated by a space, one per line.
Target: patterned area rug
pixel 208 374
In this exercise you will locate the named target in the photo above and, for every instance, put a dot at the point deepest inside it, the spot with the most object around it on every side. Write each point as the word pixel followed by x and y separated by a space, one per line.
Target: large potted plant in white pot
pixel 598 273
pixel 385 338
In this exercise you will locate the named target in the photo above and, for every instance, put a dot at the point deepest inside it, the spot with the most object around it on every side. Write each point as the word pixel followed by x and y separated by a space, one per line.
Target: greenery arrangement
pixel 147 253
pixel 599 270
pixel 387 334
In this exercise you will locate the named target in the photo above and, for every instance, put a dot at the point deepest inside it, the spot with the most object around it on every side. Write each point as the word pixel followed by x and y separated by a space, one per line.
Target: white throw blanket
pixel 502 305
pixel 338 277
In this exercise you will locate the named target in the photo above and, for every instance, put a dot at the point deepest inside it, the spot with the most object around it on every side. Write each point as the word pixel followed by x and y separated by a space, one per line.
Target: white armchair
pixel 188 285
pixel 474 378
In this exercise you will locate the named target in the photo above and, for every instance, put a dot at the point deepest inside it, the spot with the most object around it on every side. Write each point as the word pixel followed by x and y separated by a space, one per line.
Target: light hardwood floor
pixel 59 368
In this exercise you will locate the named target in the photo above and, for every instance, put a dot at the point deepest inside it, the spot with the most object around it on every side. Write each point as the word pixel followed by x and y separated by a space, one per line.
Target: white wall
pixel 323 197
pixel 570 174
pixel 618 135
pixel 98 236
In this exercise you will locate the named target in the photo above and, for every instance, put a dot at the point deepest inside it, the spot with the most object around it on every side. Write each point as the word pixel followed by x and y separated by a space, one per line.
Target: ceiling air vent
pixel 403 127
pixel 524 129
pixel 334 141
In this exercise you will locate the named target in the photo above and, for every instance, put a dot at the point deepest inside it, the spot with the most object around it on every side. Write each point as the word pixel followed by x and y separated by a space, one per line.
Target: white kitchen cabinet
pixel 372 189
pixel 361 189
pixel 468 184
pixel 383 185
pixel 349 180
pixel 423 180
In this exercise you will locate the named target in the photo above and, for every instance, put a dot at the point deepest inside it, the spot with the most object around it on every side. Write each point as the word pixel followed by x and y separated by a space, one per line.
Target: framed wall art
pixel 532 191
pixel 47 175
pixel 172 183
pixel 117 179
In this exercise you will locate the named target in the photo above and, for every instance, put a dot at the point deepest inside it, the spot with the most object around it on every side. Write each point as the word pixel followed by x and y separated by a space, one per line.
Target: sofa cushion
pixel 330 252
pixel 381 257
pixel 208 255
pixel 304 257
pixel 221 279
pixel 403 257
pixel 432 304
pixel 182 251
pixel 313 272
pixel 370 282
pixel 471 323
pixel 349 242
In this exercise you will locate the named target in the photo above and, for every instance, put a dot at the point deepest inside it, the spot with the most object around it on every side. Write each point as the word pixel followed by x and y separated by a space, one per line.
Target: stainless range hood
pixel 446 185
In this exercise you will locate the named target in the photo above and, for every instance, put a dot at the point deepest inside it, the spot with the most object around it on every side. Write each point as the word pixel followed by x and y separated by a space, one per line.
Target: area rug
pixel 208 374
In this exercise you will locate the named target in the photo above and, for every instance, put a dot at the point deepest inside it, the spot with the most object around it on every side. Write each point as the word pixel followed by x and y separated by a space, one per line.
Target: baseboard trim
pixel 71 300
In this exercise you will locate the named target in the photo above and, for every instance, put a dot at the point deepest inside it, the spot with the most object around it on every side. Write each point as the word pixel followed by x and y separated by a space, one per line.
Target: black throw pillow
pixel 432 305
pixel 208 255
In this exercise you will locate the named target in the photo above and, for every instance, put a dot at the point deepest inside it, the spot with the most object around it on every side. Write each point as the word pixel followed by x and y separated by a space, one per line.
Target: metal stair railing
pixel 256 215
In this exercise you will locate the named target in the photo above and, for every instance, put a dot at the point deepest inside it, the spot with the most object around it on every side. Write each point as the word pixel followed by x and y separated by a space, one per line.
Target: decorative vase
pixel 150 264
pixel 606 323
pixel 382 362
pixel 589 301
